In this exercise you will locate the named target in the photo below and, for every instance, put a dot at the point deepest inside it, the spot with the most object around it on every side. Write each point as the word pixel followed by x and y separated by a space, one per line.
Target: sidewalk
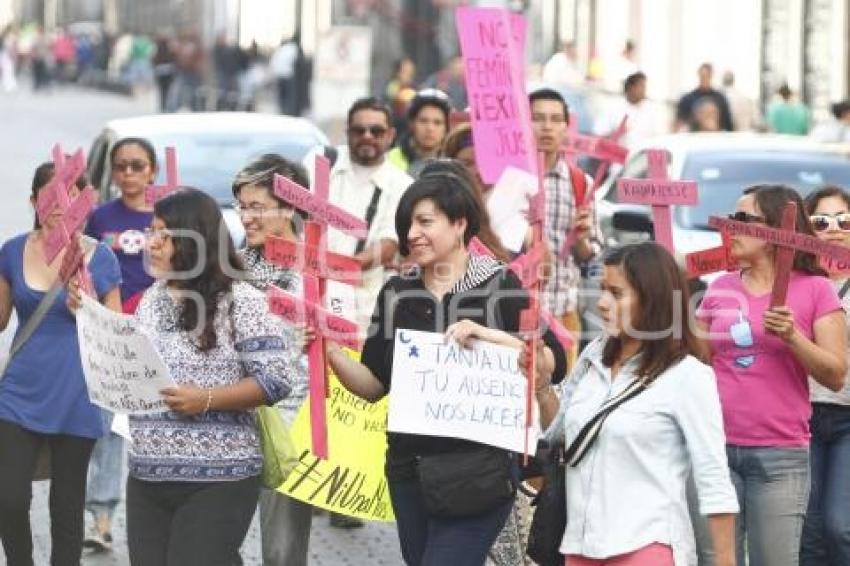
pixel 374 545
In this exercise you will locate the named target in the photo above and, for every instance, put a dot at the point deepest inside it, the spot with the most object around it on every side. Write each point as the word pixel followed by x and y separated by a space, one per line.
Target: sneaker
pixel 98 542
pixel 345 522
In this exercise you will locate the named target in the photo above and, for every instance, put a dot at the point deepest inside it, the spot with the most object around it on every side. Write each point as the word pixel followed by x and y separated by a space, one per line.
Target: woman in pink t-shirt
pixel 762 357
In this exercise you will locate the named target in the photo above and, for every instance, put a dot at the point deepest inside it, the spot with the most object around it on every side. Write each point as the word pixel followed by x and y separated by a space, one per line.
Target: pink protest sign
pixel 659 192
pixel 784 260
pixel 711 260
pixel 491 41
pixel 318 207
pixel 156 192
pixel 289 254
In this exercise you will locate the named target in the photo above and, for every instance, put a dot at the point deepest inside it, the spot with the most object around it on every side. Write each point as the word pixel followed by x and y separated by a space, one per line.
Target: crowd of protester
pixel 719 443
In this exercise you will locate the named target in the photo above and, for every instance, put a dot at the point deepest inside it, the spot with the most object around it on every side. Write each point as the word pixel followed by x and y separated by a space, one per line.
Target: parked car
pixel 211 149
pixel 723 164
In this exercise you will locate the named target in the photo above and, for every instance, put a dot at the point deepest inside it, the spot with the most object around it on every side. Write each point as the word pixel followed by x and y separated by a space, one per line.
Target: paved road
pixel 29 126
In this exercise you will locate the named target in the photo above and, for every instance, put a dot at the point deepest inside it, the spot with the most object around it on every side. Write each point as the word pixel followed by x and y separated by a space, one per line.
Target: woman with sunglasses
pixel 43 394
pixel 284 522
pixel 637 414
pixel 120 224
pixel 195 469
pixel 762 356
pixel 435 220
pixel 826 531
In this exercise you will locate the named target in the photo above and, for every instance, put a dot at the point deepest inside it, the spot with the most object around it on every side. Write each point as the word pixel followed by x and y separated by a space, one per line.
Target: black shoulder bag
pixel 550 514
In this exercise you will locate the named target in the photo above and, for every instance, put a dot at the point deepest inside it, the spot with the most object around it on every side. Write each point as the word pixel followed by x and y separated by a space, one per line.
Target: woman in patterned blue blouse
pixel 195 470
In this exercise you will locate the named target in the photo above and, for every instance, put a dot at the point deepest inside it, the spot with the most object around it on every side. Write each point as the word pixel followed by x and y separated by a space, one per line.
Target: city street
pixel 31 124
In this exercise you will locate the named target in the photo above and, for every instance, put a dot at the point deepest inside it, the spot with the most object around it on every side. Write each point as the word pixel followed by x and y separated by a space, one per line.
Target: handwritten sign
pixel 297 311
pixel 154 193
pixel 123 371
pixel 659 192
pixel 492 44
pixel 351 480
pixel 294 255
pixel 441 389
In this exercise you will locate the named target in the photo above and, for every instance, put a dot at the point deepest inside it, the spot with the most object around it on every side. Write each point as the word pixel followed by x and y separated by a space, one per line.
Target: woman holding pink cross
pixel 762 356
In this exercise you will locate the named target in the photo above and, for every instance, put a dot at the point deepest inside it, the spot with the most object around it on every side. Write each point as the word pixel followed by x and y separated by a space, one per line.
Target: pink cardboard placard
pixel 289 254
pixel 795 240
pixel 493 53
pixel 320 209
pixel 784 260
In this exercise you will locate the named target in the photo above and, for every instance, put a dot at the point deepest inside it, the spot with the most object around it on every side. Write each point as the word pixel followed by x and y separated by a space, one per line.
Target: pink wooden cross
pixel 154 193
pixel 66 232
pixel 785 239
pixel 301 257
pixel 322 266
pixel 659 192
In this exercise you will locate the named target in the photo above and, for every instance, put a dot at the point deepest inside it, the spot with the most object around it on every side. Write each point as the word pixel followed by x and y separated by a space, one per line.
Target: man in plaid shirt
pixel 549 117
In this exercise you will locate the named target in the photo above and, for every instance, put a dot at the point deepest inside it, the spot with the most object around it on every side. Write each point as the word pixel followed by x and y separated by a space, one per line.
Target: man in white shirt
pixel 643 122
pixel 562 68
pixel 743 108
pixel 366 184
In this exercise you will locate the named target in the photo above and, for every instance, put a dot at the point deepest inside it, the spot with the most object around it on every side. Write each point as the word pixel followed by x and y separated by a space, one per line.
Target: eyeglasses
pixel 162 235
pixel 374 130
pixel 823 222
pixel 253 209
pixel 135 165
pixel 741 216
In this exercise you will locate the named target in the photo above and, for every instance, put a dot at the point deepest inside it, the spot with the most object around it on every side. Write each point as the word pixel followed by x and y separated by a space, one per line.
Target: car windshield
pixel 722 176
pixel 210 162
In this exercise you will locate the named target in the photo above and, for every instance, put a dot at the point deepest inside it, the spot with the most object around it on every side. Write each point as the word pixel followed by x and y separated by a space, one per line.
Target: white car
pixel 723 164
pixel 211 148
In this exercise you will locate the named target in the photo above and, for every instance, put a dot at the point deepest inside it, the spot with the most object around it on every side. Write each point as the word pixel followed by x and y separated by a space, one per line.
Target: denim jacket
pixel 629 490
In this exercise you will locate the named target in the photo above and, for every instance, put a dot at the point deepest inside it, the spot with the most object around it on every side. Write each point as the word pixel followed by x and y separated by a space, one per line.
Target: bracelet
pixel 209 401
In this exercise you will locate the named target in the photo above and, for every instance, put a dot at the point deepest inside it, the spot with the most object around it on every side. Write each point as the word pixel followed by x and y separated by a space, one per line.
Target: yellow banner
pixel 351 482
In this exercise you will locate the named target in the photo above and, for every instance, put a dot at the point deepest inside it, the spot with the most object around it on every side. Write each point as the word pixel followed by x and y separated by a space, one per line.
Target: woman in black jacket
pixel 467 298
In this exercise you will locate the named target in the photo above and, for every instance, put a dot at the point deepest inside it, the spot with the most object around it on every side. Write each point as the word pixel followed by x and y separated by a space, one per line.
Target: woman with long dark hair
pixel 826 530
pixel 43 394
pixel 195 470
pixel 762 357
pixel 638 412
pixel 457 294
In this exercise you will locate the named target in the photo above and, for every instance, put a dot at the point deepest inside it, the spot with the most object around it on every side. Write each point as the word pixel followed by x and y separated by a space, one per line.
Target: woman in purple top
pixel 121 225
pixel 43 395
pixel 762 356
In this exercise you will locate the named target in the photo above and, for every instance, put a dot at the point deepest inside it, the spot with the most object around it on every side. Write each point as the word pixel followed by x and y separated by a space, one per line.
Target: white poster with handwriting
pixel 444 389
pixel 124 372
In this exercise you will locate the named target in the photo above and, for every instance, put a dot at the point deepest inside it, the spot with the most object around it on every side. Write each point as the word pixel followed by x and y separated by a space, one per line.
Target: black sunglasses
pixel 375 131
pixel 741 216
pixel 135 165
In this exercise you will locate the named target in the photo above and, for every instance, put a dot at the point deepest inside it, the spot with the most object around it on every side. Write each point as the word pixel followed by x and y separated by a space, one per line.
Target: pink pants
pixel 655 554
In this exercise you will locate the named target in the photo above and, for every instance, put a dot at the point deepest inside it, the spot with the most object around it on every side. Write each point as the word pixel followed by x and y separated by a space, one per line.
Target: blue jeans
pixel 429 541
pixel 772 484
pixel 826 532
pixel 105 478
